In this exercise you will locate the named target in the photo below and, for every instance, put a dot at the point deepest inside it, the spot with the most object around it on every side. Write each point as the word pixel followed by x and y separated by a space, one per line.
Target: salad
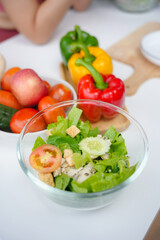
pixel 76 157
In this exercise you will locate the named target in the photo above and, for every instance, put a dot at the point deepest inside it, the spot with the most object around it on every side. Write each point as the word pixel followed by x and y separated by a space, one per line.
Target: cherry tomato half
pixel 51 115
pixel 7 77
pixel 46 158
pixel 21 117
pixel 60 93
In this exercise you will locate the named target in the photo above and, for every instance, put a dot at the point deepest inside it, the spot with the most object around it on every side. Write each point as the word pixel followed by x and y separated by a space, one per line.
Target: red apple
pixel 28 87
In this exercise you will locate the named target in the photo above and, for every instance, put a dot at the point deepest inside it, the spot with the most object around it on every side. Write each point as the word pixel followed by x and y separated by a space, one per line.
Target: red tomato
pixel 21 117
pixel 8 99
pixel 60 93
pixel 7 77
pixel 47 85
pixel 46 158
pixel 51 115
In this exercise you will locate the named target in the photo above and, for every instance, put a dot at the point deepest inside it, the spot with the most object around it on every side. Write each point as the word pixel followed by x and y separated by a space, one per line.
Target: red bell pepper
pixel 99 87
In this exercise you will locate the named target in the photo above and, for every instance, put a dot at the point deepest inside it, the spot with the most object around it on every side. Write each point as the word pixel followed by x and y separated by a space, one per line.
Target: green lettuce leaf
pixel 99 186
pixel 127 172
pixel 100 167
pixel 62 124
pixel 93 132
pixel 74 116
pixel 74 187
pixel 62 181
pixel 56 140
pixel 111 164
pixel 118 146
pixel 38 142
pixel 84 127
pixel 60 127
pixel 111 133
pixel 63 146
pixel 81 159
pixel 87 184
pixel 102 181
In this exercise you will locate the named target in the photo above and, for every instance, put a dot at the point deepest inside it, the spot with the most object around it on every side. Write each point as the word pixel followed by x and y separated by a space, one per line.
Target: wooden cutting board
pixel 128 51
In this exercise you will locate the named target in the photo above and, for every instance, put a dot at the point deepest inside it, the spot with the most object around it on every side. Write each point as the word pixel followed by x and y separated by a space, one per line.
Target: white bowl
pixel 150 47
pixel 52 81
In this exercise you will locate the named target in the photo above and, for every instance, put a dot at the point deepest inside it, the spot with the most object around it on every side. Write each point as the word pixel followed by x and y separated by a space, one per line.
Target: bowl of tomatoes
pixel 23 93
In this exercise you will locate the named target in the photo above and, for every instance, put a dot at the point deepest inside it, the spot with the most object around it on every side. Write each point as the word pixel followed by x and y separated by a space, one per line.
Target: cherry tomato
pixel 46 158
pixel 51 115
pixel 7 77
pixel 47 85
pixel 8 99
pixel 21 117
pixel 60 93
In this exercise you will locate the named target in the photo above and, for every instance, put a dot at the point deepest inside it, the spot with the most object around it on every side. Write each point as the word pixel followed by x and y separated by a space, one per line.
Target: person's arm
pixel 36 21
pixel 5 22
pixel 81 5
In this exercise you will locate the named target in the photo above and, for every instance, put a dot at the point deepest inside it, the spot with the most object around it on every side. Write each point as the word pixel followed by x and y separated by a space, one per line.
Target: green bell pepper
pixel 75 36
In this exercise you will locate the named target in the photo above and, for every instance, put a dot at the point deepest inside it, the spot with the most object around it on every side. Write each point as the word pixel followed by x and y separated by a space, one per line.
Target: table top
pixel 25 213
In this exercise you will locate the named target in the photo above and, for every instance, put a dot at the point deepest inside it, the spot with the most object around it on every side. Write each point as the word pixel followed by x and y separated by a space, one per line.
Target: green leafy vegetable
pixel 81 159
pixel 127 172
pixel 56 140
pixel 84 127
pixel 99 186
pixel 74 187
pixel 118 146
pixel 100 167
pixel 39 142
pixel 111 133
pixel 87 184
pixel 6 114
pixel 60 127
pixel 62 181
pixel 102 181
pixel 111 164
pixel 63 146
pixel 74 116
pixel 93 132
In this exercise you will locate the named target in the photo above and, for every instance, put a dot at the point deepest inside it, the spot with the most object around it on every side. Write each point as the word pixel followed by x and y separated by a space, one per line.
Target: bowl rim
pixel 49 189
pixel 43 77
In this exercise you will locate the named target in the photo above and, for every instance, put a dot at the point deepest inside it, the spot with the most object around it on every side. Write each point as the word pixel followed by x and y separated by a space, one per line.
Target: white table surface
pixel 25 213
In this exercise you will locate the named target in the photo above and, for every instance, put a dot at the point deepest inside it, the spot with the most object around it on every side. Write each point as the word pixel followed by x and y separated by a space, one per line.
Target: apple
pixel 28 87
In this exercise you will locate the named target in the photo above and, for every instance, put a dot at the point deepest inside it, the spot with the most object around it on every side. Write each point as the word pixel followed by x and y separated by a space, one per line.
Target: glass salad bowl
pixel 128 146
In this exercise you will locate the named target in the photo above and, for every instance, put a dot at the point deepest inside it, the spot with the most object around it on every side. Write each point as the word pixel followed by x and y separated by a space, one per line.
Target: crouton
pixel 70 161
pixel 47 178
pixel 67 153
pixel 68 156
pixel 72 131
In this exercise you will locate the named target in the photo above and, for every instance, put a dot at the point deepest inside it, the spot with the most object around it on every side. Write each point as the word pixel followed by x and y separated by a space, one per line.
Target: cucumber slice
pixel 96 146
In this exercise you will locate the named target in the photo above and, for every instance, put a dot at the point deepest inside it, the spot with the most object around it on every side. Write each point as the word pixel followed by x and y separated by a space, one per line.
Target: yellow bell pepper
pixel 99 59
